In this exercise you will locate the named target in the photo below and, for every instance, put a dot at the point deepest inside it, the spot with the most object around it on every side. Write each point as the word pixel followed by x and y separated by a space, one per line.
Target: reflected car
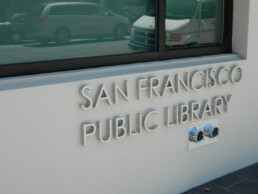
pixel 132 17
pixel 13 29
pixel 183 25
pixel 4 32
pixel 63 21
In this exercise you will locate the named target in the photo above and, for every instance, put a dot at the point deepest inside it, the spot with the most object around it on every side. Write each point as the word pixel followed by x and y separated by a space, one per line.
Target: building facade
pixel 125 128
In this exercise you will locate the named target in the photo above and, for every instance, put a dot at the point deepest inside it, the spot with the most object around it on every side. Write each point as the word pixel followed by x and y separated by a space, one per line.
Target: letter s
pixel 88 103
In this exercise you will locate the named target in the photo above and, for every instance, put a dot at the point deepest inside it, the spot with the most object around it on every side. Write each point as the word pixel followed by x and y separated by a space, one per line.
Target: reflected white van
pixel 188 22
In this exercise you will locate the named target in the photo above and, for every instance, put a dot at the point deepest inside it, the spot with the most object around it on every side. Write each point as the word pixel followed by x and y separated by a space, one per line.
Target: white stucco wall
pixel 40 128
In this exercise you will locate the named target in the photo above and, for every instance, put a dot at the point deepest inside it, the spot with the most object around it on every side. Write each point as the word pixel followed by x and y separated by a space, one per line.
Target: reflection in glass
pixel 40 30
pixel 193 22
pixel 143 31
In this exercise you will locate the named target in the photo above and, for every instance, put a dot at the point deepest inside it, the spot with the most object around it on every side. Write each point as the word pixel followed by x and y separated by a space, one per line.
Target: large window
pixel 192 22
pixel 41 36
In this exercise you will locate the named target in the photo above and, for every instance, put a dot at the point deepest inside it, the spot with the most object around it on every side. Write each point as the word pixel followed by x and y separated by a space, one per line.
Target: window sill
pixel 112 71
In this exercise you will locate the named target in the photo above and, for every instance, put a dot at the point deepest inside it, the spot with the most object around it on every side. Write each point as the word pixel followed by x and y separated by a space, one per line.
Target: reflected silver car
pixel 67 20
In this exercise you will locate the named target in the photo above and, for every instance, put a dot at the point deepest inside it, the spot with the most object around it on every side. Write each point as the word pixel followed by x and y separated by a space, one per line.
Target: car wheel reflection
pixel 62 36
pixel 119 32
pixel 16 38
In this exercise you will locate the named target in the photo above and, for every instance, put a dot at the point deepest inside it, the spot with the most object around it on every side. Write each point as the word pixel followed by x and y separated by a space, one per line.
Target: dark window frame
pixel 31 68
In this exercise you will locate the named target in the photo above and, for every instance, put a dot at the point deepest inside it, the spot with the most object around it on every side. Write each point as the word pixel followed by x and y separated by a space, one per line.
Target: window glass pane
pixel 43 30
pixel 193 22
